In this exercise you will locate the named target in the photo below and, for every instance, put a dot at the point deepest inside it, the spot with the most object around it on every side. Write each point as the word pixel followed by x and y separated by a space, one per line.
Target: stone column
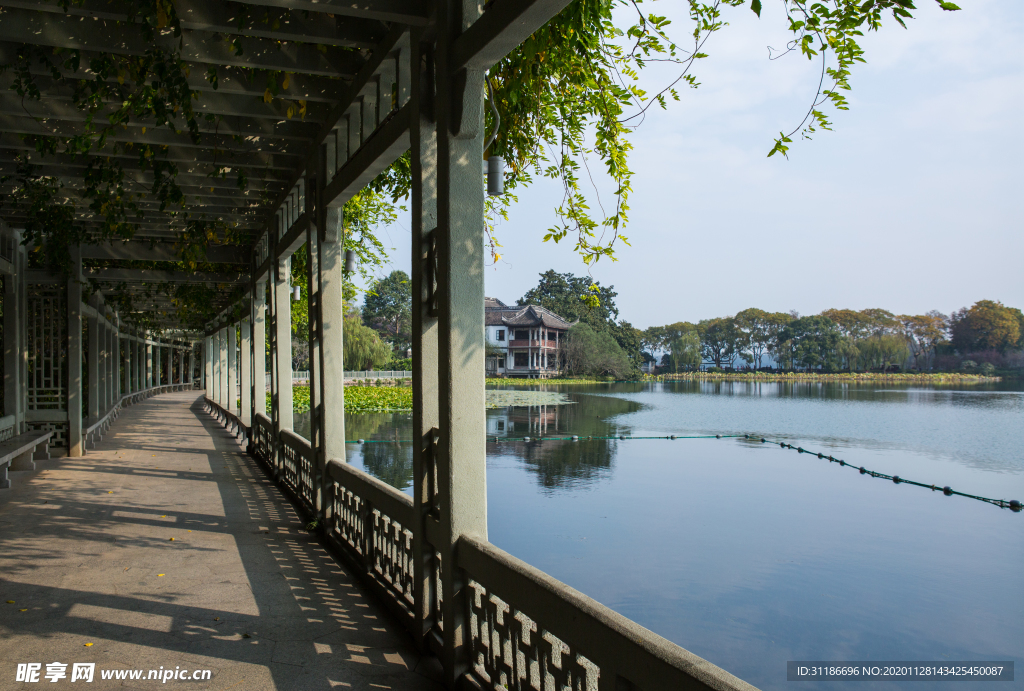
pixel 461 462
pixel 245 370
pixel 108 365
pixel 14 317
pixel 259 350
pixel 283 341
pixel 232 368
pixel 332 277
pixel 158 373
pixel 117 364
pixel 208 366
pixel 140 362
pixel 170 364
pixel 93 356
pixel 424 331
pixel 149 364
pixel 74 355
pixel 222 367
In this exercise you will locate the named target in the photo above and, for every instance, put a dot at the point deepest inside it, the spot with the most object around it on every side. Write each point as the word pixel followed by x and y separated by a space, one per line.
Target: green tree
pixel 851 323
pixel 387 308
pixel 986 325
pixel 363 349
pixel 653 339
pixel 570 296
pixel 718 340
pixel 593 353
pixel 684 349
pixel 924 332
pixel 883 350
pixel 758 331
pixel 815 342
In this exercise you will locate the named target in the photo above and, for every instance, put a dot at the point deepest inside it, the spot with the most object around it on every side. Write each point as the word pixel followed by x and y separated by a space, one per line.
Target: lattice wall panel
pixel 47 347
pixel 59 440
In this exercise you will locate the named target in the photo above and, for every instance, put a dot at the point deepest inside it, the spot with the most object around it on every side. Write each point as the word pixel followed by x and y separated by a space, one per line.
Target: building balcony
pixel 532 343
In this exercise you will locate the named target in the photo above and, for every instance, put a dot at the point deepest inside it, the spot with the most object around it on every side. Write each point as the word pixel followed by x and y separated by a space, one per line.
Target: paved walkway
pixel 168 547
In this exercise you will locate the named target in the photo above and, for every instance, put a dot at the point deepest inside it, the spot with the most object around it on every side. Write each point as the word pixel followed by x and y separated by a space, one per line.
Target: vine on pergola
pixel 567 96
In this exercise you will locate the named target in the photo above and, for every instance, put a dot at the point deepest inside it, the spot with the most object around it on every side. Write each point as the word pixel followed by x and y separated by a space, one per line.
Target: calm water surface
pixel 750 555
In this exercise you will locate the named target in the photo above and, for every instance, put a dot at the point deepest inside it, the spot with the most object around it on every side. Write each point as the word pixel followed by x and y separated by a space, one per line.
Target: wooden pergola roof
pixel 347 61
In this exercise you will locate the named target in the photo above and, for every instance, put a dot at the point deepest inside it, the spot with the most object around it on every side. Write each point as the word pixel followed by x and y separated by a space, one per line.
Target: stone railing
pixel 371 524
pixel 297 468
pixel 228 418
pixel 263 438
pixel 525 630
pixel 528 630
pixel 7 430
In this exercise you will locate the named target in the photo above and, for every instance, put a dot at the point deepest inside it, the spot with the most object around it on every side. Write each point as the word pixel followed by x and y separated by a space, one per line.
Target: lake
pixel 751 555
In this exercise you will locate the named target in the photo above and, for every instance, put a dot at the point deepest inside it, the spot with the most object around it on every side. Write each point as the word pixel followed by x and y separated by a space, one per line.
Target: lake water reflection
pixel 750 555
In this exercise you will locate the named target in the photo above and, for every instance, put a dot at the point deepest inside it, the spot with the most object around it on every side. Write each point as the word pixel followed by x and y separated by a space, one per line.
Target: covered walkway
pixel 168 546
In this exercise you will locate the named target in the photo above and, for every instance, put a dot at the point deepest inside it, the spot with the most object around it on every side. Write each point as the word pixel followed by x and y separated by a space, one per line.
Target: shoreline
pixel 856 377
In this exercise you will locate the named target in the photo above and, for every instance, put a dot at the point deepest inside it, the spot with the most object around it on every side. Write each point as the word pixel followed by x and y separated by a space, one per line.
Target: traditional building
pixel 522 340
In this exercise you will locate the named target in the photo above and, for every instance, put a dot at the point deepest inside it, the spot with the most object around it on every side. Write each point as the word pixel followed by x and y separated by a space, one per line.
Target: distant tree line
pixel 988 333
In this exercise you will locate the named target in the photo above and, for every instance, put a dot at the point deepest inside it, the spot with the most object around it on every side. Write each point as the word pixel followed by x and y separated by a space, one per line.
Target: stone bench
pixel 20 452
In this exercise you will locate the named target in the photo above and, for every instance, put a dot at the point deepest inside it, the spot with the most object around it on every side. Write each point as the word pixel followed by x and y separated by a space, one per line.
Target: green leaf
pixel 755 5
pixel 948 6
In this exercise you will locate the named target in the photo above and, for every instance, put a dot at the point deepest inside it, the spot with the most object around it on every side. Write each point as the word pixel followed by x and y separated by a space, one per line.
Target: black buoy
pixel 763 440
pixel 575 438
pixel 622 437
pixel 820 456
pixel 718 436
pixel 947 491
pixel 896 479
pixel 862 471
pixel 526 439
pixel 799 449
pixel 782 444
pixel 1014 506
pixel 842 462
pixel 671 436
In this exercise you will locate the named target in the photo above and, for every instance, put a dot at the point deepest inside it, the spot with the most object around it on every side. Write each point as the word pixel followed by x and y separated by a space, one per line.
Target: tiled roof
pixel 518 315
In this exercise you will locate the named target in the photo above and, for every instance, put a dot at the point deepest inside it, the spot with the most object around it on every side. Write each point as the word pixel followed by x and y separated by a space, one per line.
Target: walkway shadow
pixel 241 590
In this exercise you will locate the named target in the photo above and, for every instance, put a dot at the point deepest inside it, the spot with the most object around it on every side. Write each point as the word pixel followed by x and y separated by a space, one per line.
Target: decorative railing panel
pixel 372 522
pixel 528 631
pixel 297 469
pixel 263 438
pixel 7 427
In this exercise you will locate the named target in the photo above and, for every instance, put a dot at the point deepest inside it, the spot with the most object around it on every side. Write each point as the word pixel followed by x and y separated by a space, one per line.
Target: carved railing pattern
pixel 297 468
pixel 7 427
pixel 263 438
pixel 509 652
pixel 529 631
pixel 371 522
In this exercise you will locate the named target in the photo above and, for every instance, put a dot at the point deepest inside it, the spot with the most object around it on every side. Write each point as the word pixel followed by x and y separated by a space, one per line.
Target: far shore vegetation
pixel 983 342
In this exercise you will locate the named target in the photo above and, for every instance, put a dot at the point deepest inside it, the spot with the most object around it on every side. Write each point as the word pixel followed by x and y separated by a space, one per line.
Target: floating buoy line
pixel 1011 504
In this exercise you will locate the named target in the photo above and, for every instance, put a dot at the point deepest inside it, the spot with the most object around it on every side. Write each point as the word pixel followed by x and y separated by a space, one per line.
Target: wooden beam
pixel 65 31
pixel 161 251
pixel 157 276
pixel 387 143
pixel 227 18
pixel 408 12
pixel 504 25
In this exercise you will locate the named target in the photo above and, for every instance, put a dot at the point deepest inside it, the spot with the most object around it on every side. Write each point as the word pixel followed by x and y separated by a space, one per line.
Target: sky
pixel 912 203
